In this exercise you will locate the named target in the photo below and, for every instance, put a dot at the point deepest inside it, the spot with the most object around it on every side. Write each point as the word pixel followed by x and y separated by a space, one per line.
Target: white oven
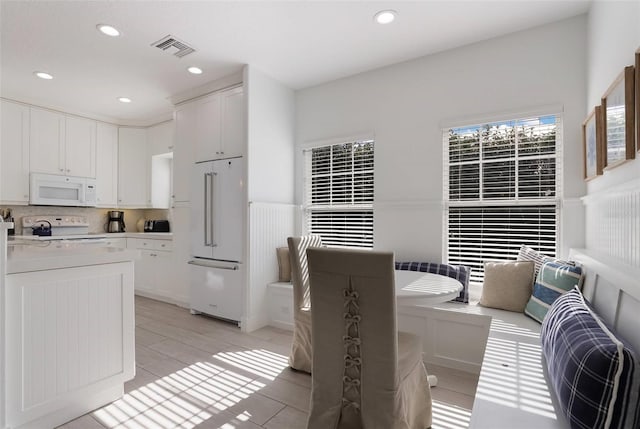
pixel 54 190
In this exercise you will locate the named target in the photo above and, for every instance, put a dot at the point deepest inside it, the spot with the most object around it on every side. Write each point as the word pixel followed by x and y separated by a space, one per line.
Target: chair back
pixel 355 343
pixel 299 270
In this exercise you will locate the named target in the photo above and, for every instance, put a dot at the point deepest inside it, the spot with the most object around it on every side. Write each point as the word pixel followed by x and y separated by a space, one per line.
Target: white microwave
pixel 54 190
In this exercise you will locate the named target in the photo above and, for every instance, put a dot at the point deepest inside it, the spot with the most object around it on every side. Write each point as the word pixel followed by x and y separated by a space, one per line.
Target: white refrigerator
pixel 217 238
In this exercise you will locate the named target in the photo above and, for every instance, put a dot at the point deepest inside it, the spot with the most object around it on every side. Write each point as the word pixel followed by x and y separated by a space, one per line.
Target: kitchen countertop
pixel 50 255
pixel 152 235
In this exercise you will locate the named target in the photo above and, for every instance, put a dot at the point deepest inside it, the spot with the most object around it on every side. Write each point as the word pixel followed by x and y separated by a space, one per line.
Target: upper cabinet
pixel 14 153
pixel 106 165
pixel 160 138
pixel 185 118
pixel 220 131
pixel 233 140
pixel 133 186
pixel 62 144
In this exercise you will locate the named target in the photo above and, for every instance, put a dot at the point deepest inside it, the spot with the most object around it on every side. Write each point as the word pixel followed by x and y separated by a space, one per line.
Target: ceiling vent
pixel 173 46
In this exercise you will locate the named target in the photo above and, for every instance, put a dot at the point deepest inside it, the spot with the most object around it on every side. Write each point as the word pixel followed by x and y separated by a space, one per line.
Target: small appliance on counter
pixel 156 226
pixel 116 221
pixel 42 230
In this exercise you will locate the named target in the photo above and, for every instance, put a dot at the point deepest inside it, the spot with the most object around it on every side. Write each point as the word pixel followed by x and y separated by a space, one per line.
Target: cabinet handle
pixel 68 171
pixel 62 169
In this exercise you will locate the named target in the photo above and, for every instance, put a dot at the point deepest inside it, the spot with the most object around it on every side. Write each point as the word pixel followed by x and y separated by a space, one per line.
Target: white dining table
pixel 418 288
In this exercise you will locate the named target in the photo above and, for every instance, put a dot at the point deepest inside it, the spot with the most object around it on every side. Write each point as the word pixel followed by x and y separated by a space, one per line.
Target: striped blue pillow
pixel 554 279
pixel 594 374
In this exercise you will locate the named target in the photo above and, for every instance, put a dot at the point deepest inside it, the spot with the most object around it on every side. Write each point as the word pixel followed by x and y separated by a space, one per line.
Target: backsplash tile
pixel 96 217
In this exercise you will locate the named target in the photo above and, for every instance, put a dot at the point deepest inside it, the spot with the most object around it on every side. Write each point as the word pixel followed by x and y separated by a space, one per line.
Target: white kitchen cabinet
pixel 70 333
pixel 160 138
pixel 232 109
pixel 185 118
pixel 62 144
pixel 133 176
pixel 154 273
pixel 220 125
pixel 106 165
pixel 208 137
pixel 80 147
pixel 14 153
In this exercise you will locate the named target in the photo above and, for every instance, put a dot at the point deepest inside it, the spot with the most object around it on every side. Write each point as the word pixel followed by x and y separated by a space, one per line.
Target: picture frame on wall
pixel 592 144
pixel 638 99
pixel 618 110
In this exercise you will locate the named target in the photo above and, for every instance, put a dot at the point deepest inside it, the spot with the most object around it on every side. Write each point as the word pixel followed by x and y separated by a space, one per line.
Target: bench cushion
pixel 554 279
pixel 593 373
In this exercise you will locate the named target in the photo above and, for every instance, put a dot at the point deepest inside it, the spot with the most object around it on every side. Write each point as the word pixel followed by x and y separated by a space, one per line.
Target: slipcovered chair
pixel 462 273
pixel 365 374
pixel 300 357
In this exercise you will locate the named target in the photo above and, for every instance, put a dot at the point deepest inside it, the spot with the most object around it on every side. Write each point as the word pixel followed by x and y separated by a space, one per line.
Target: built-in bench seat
pixel 504 347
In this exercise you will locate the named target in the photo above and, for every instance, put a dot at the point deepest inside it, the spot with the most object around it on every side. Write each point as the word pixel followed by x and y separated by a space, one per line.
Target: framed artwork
pixel 592 144
pixel 618 109
pixel 638 99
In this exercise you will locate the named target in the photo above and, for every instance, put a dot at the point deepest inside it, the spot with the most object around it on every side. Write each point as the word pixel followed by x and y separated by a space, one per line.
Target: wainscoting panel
pixel 269 226
pixel 613 222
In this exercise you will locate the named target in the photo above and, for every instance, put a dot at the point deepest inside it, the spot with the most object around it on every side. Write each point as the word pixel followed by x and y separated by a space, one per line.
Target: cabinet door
pixel 208 129
pixel 144 271
pixel 14 153
pixel 232 123
pixel 46 148
pixel 107 165
pixel 80 147
pixel 183 154
pixel 133 188
pixel 160 138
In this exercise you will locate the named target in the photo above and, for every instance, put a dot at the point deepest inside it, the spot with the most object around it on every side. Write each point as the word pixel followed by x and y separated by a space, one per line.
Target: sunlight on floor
pixel 447 416
pixel 194 394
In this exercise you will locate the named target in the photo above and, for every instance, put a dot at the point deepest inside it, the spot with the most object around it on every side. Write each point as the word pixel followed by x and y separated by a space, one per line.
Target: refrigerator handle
pixel 207 210
pixel 212 204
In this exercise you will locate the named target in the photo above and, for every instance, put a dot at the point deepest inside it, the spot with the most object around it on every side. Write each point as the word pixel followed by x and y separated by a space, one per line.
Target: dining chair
pixel 301 350
pixel 365 374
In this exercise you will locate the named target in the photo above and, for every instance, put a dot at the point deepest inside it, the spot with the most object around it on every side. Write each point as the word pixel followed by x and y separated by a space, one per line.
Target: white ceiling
pixel 299 43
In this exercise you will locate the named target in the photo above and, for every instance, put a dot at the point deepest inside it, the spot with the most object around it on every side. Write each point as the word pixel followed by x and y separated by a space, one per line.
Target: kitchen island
pixel 68 330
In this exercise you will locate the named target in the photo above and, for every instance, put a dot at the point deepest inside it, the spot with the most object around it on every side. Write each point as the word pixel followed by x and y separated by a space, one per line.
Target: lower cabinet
pixel 154 271
pixel 70 333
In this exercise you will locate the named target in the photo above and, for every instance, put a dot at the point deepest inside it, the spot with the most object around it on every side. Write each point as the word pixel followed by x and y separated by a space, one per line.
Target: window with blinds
pixel 501 190
pixel 339 193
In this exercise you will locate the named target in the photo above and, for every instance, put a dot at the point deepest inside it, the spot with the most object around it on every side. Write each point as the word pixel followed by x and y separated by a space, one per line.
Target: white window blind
pixel 501 190
pixel 339 193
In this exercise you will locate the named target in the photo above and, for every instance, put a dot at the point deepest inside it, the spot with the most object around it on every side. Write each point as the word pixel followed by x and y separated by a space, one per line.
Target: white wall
pixel 406 105
pixel 613 199
pixel 270 170
pixel 270 118
pixel 614 36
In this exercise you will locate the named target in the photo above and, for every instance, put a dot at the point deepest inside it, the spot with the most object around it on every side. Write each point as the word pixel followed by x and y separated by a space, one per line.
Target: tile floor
pixel 196 372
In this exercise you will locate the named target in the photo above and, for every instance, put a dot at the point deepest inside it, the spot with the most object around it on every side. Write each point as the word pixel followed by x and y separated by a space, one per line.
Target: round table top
pixel 418 288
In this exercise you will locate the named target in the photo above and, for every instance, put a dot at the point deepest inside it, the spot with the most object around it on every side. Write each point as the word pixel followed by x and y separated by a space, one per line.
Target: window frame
pixel 307 208
pixel 517 201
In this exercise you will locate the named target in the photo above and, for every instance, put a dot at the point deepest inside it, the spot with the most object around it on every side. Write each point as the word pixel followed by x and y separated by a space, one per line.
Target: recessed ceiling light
pixel 124 100
pixel 194 70
pixel 385 16
pixel 108 30
pixel 43 75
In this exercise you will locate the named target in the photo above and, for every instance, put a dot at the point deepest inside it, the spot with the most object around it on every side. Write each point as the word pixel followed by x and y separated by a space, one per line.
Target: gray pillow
pixel 507 285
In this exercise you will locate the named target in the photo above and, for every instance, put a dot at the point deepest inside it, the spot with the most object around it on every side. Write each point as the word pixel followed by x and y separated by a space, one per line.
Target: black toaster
pixel 156 226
